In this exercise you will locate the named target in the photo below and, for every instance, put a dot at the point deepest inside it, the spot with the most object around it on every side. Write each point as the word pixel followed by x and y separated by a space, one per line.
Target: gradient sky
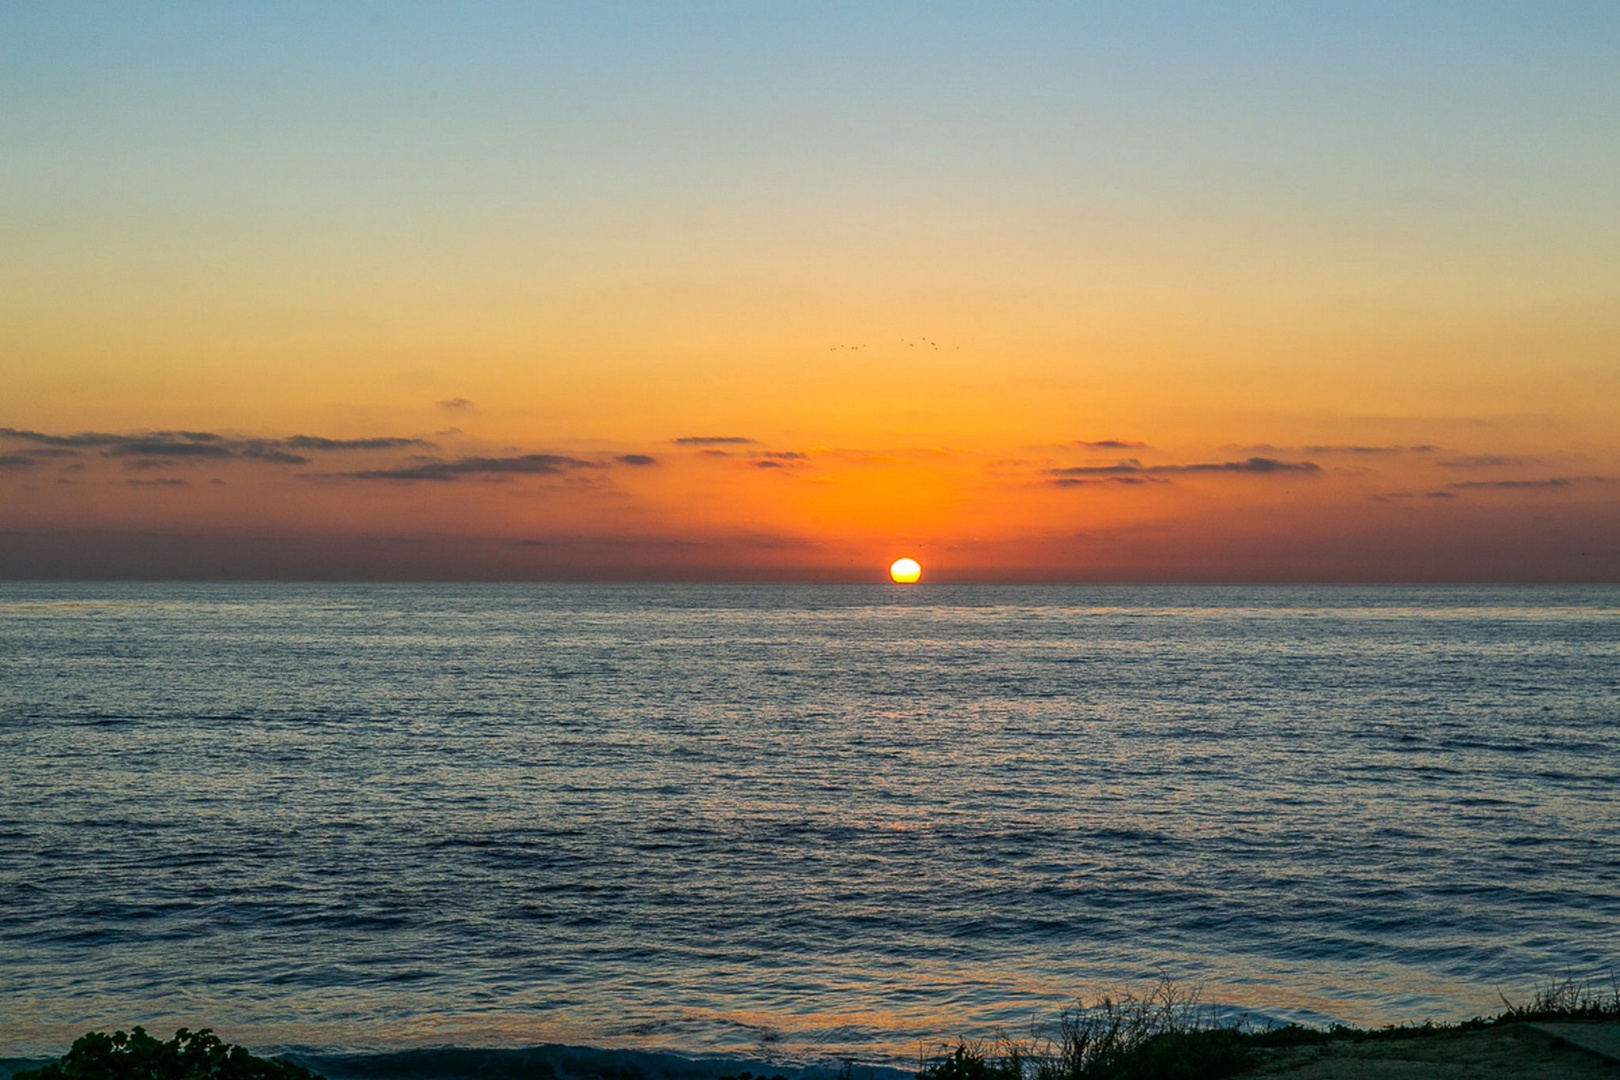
pixel 1147 291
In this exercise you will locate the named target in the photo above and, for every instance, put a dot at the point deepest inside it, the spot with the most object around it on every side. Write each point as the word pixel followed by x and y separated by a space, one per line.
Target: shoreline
pixel 542 1060
pixel 1506 1047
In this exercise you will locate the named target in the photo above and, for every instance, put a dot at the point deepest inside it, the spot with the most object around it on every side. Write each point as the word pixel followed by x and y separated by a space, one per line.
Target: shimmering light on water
pixel 811 821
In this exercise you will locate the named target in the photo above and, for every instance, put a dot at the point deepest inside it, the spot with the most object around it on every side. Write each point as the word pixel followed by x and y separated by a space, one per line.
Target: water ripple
pixel 805 822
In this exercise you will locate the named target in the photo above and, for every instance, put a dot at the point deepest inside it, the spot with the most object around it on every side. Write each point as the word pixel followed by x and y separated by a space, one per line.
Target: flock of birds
pixel 930 342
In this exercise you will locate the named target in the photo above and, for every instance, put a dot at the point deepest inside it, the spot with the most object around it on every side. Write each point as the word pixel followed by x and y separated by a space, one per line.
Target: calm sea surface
pixel 793 822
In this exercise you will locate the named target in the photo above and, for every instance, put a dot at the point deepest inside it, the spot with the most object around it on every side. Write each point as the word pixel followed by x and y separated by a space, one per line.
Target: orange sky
pixel 1130 298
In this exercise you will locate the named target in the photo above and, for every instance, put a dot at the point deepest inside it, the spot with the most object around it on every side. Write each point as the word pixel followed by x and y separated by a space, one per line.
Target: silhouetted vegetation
pixel 1569 999
pixel 1168 1035
pixel 138 1056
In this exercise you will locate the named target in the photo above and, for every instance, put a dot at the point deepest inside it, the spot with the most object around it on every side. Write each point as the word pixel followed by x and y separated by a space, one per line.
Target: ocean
pixel 791 824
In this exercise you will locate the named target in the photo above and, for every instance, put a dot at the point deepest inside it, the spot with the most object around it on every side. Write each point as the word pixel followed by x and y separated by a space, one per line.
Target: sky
pixel 781 292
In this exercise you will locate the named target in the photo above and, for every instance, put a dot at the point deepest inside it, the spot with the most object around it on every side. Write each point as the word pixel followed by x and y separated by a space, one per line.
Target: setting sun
pixel 905 571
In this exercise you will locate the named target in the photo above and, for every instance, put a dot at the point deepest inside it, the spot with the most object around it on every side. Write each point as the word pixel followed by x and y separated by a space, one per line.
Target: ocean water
pixel 797 824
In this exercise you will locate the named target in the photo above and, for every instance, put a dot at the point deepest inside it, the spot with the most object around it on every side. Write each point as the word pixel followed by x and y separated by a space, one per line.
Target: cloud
pixel 1249 465
pixel 163 450
pixel 1111 444
pixel 454 403
pixel 1133 467
pixel 153 448
pixel 317 442
pixel 165 447
pixel 777 459
pixel 83 438
pixel 1074 481
pixel 162 481
pixel 16 461
pixel 521 465
pixel 271 453
pixel 713 440
pixel 1484 461
pixel 1341 448
pixel 1440 495
pixel 1545 482
pixel 724 543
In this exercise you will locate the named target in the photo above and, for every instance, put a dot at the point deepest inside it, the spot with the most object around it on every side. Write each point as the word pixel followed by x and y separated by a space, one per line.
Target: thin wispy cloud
pixel 183 448
pixel 1544 482
pixel 83 438
pixel 1133 467
pixel 161 450
pixel 1362 449
pixel 727 543
pixel 317 442
pixel 206 445
pixel 1078 481
pixel 446 471
pixel 714 440
pixel 1356 449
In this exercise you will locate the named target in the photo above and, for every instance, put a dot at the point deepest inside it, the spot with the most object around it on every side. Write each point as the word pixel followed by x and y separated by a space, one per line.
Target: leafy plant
pixel 189 1055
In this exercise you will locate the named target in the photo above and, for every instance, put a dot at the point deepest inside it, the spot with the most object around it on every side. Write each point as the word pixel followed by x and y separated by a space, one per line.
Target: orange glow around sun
pixel 905 571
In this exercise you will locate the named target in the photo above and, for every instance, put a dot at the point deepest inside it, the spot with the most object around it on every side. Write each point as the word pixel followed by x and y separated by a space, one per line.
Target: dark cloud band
pixel 1080 481
pixel 443 471
pixel 208 445
pixel 1545 482
pixel 1261 465
pixel 1419 448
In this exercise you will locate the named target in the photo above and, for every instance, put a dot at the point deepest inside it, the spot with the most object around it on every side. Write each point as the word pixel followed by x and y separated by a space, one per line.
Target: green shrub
pixel 138 1056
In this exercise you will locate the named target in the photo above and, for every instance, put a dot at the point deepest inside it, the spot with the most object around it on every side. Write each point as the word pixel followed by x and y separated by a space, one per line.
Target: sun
pixel 905 571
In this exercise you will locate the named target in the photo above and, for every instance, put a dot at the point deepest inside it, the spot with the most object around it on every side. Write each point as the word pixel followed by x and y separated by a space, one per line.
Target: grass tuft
pixel 1568 998
pixel 1166 1034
